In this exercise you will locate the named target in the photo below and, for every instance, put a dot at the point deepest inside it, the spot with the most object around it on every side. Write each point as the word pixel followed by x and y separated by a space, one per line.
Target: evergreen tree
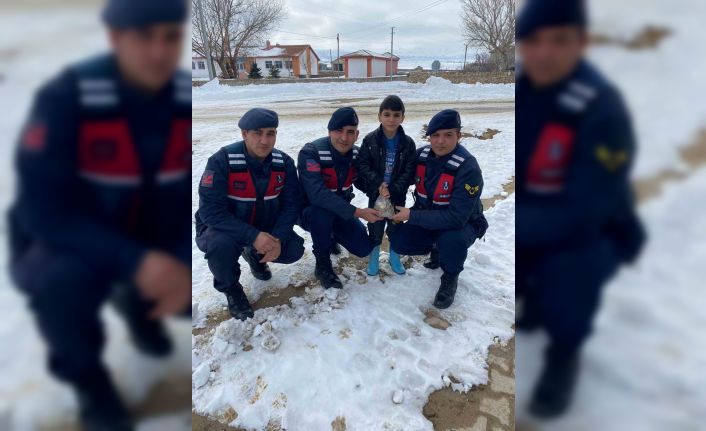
pixel 274 72
pixel 255 72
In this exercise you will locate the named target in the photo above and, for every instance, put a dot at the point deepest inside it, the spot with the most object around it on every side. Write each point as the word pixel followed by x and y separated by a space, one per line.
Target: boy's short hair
pixel 393 103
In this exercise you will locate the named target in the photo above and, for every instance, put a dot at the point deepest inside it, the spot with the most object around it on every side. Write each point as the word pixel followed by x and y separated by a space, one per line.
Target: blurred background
pixel 37 40
pixel 643 367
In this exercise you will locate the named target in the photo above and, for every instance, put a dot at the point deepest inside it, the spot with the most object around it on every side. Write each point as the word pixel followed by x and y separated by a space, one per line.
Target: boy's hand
pixel 383 191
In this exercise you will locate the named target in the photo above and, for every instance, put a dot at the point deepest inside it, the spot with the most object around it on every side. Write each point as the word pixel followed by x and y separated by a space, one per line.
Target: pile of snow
pixel 434 89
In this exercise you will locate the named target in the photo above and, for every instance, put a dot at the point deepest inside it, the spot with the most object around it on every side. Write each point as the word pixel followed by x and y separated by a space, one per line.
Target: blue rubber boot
pixel 395 263
pixel 374 261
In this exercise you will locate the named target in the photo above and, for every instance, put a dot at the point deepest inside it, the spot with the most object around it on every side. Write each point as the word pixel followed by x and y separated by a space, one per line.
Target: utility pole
pixel 464 58
pixel 338 53
pixel 330 57
pixel 392 48
pixel 205 42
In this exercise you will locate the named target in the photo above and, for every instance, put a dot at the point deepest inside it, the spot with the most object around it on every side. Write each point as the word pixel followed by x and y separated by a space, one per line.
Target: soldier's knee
pixel 51 272
pixel 221 245
pixel 452 240
pixel 362 247
pixel 293 251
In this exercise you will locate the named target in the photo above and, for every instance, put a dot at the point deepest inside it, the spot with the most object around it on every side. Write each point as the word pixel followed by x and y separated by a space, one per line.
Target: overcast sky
pixel 365 24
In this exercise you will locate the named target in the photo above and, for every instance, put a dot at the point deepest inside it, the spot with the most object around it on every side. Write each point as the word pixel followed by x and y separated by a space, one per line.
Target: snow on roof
pixel 281 51
pixel 366 53
pixel 272 52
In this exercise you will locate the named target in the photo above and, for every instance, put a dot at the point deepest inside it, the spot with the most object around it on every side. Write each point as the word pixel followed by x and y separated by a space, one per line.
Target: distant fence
pixel 239 82
pixel 458 76
pixel 414 76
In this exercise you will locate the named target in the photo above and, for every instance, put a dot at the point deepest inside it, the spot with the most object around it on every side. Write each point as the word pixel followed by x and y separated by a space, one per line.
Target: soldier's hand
pixel 384 191
pixel 273 254
pixel 368 214
pixel 264 243
pixel 166 281
pixel 402 215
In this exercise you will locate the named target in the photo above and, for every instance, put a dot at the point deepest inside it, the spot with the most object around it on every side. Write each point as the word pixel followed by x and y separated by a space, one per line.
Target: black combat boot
pixel 447 290
pixel 148 335
pixel 554 390
pixel 433 261
pixel 261 271
pixel 324 273
pixel 100 406
pixel 238 305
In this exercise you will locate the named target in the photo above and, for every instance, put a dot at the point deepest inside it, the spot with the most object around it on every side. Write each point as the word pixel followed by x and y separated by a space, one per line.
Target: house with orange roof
pixel 293 61
pixel 367 64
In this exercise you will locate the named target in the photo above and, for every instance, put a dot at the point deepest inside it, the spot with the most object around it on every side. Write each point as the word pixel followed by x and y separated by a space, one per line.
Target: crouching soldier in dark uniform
pixel 447 211
pixel 327 170
pixel 575 217
pixel 249 202
pixel 104 179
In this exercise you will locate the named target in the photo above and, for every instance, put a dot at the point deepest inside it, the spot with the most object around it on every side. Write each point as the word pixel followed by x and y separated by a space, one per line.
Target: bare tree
pixel 233 26
pixel 490 24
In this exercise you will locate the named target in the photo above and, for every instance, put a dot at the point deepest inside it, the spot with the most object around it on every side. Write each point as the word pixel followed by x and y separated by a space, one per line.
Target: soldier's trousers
pixel 452 244
pixel 222 253
pixel 560 289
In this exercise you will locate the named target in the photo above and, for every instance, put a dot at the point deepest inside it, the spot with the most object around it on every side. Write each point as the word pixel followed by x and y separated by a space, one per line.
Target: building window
pixel 241 66
pixel 278 64
pixel 288 64
pixel 268 65
pixel 202 65
pixel 193 65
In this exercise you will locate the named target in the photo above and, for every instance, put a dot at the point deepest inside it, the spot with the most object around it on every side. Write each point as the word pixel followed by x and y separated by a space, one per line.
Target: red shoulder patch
pixel 207 179
pixel 35 136
pixel 312 166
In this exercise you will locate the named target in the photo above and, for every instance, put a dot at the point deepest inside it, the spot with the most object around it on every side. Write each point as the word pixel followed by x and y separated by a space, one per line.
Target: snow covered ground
pixel 34 45
pixel 643 369
pixel 364 353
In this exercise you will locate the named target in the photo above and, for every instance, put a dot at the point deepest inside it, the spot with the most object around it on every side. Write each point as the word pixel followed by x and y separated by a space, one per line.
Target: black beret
pixel 549 13
pixel 446 119
pixel 125 14
pixel 343 117
pixel 258 118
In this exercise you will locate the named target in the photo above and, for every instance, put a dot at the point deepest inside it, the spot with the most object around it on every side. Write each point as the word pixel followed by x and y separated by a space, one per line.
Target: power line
pixel 307 35
pixel 427 7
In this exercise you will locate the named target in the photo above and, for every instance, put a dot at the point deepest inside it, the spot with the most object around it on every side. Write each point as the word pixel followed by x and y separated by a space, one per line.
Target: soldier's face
pixel 148 57
pixel 444 141
pixel 343 139
pixel 550 54
pixel 260 142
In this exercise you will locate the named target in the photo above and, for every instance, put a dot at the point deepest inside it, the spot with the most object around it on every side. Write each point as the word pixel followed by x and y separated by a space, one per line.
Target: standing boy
pixel 387 161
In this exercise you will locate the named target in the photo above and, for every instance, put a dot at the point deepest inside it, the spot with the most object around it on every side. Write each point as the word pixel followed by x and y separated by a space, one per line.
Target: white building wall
pixel 378 68
pixel 303 62
pixel 357 68
pixel 202 73
pixel 284 72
